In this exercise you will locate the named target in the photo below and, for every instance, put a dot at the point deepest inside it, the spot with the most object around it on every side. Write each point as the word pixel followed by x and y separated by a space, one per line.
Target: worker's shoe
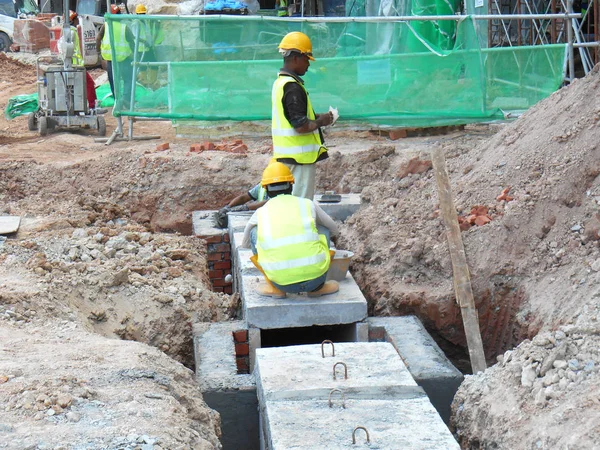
pixel 330 287
pixel 268 290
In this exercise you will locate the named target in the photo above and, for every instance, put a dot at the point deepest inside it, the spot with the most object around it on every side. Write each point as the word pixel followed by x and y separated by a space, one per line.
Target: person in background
pixel 281 6
pixel 123 39
pixel 150 35
pixel 289 237
pixel 77 59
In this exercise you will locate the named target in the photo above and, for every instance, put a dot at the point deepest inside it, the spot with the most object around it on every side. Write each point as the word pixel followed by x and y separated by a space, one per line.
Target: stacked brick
pixel 218 251
pixel 31 35
pixel 242 351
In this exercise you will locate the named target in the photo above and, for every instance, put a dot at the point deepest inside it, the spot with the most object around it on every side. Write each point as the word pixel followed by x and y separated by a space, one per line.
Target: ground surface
pixel 103 253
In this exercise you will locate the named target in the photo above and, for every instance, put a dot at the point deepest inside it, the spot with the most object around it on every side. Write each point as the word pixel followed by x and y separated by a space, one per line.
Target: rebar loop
pixel 343 398
pixel 327 341
pixel 345 370
pixel 354 435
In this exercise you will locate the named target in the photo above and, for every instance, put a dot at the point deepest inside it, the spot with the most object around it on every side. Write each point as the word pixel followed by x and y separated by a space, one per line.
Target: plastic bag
pixel 20 105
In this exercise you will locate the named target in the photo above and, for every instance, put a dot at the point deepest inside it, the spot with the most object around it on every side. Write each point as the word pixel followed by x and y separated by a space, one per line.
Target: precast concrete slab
pixel 348 305
pixel 237 221
pixel 426 362
pixel 204 223
pixel 302 368
pixel 349 204
pixel 233 395
pixel 302 406
pixel 392 423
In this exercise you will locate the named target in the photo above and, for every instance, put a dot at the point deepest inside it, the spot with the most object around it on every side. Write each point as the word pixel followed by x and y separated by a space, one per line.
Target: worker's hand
pixel 334 113
pixel 221 217
pixel 325 119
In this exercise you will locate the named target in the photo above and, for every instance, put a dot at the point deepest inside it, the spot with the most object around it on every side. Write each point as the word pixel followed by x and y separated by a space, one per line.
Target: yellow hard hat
pixel 276 173
pixel 141 9
pixel 299 42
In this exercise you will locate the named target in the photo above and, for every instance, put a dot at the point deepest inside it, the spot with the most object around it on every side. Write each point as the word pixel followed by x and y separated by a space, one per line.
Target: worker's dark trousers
pixel 125 78
pixel 304 286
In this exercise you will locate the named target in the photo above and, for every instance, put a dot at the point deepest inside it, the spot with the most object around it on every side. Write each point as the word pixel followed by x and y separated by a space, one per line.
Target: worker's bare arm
pixel 322 120
pixel 240 200
pixel 255 205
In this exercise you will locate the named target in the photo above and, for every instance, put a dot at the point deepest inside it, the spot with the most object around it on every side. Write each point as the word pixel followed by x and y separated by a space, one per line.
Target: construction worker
pixel 297 137
pixel 249 201
pixel 150 35
pixel 77 59
pixel 122 39
pixel 289 237
pixel 282 8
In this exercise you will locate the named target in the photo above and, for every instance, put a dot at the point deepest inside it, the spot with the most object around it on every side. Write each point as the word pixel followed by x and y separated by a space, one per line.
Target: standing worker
pixel 77 59
pixel 289 237
pixel 150 35
pixel 122 39
pixel 297 137
pixel 282 8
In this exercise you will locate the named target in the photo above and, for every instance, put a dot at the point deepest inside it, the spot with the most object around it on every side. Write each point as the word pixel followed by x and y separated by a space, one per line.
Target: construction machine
pixel 62 94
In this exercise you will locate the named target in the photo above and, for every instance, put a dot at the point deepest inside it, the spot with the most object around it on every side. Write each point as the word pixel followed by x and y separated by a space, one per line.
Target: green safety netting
pixel 401 73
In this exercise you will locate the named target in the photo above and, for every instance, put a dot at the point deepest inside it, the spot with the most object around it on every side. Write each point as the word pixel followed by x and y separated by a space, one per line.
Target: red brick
pixel 208 145
pixel 242 148
pixel 397 134
pixel 226 237
pixel 227 256
pixel 215 274
pixel 215 257
pixel 219 282
pixel 242 349
pixel 238 142
pixel 196 148
pixel 217 289
pixel 162 147
pixel 240 336
pixel 212 248
pixel 482 220
pixel 228 289
pixel 222 265
pixel 216 239
pixel 376 334
pixel 243 365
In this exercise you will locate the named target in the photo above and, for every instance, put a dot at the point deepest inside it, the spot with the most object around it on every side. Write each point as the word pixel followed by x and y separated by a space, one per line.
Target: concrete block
pixel 349 204
pixel 232 395
pixel 237 221
pixel 204 224
pixel 393 423
pixel 297 310
pixel 425 360
pixel 301 369
pixel 362 331
pixel 254 341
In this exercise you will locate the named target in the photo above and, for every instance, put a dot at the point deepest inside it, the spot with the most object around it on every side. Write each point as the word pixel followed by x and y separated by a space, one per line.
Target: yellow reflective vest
pixel 290 249
pixel 77 58
pixel 282 10
pixel 304 148
pixel 151 34
pixel 122 48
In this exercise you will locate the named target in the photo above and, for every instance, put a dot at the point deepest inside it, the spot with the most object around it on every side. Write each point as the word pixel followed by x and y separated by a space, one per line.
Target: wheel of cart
pixel 101 126
pixel 32 122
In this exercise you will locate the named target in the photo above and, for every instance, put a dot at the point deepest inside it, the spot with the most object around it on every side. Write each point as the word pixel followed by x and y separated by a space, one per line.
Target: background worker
pixel 282 8
pixel 295 128
pixel 122 39
pixel 150 35
pixel 289 237
pixel 77 60
pixel 249 201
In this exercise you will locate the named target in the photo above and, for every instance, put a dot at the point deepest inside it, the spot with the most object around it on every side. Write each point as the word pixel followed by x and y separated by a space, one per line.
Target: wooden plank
pixel 462 279
pixel 9 224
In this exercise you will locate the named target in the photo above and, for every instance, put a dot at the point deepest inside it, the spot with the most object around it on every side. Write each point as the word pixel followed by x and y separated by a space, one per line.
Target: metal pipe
pixel 571 54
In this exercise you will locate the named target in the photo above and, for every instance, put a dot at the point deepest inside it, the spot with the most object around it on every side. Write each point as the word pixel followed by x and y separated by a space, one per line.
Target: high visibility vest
pixel 304 148
pixel 122 48
pixel 151 34
pixel 77 58
pixel 282 11
pixel 290 249
pixel 262 194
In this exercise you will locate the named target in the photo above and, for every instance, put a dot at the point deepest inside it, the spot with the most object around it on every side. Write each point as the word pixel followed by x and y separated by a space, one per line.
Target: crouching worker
pixel 289 237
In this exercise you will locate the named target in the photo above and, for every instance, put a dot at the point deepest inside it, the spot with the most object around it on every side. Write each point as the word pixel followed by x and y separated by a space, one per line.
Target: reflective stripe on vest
pixel 262 194
pixel 150 34
pixel 304 148
pixel 122 48
pixel 290 250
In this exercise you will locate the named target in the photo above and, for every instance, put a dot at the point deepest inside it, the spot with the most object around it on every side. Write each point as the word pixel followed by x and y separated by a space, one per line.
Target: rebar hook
pixel 343 398
pixel 354 435
pixel 345 370
pixel 327 341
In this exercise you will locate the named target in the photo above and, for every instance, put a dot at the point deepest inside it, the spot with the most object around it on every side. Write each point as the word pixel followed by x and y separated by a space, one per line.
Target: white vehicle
pixel 8 15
